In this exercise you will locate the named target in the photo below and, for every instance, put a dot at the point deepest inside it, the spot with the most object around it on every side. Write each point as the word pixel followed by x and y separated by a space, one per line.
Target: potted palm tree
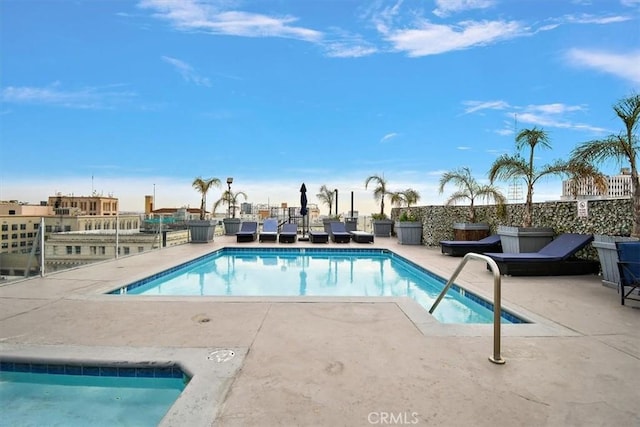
pixel 382 225
pixel 202 230
pixel 622 147
pixel 508 167
pixel 231 199
pixel 327 197
pixel 468 191
pixel 409 224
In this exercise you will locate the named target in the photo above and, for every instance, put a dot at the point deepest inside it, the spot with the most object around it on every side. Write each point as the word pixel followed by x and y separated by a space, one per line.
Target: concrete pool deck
pixel 346 361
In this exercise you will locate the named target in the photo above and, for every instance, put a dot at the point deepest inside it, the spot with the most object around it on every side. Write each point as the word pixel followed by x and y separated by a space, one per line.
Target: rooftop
pixel 344 361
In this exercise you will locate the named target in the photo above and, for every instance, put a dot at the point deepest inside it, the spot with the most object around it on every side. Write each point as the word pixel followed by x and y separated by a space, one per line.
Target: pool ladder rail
pixel 497 308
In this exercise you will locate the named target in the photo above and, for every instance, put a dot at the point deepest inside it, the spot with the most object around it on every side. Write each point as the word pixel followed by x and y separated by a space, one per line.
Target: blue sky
pixel 131 97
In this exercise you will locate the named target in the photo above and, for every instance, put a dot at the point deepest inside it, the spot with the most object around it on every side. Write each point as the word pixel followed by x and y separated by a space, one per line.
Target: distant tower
pixel 148 205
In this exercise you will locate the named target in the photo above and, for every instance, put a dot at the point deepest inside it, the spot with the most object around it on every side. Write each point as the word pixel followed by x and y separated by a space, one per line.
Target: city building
pixel 618 186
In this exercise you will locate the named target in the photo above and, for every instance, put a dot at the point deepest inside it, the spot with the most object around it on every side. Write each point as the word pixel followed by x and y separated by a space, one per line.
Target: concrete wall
pixel 604 217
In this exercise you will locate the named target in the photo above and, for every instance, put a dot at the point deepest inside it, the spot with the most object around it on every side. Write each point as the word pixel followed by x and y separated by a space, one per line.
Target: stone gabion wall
pixel 614 217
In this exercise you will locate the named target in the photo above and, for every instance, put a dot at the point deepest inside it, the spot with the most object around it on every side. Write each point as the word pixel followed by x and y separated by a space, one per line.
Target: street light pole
pixel 337 214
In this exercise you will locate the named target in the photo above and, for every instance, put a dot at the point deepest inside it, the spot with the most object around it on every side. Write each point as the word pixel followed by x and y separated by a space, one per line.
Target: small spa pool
pixel 39 394
pixel 316 272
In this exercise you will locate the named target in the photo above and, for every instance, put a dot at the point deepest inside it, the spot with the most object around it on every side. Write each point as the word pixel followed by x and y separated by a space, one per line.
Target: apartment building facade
pixel 618 186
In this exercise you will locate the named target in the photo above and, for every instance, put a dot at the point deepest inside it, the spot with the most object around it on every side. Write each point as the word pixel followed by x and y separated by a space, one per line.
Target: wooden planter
pixel 470 231
pixel 382 227
pixel 524 239
pixel 231 226
pixel 608 255
pixel 409 232
pixel 202 231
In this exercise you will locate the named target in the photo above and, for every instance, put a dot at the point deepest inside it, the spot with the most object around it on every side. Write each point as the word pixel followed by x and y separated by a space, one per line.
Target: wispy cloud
pixel 594 19
pixel 216 18
pixel 620 65
pixel 447 7
pixel 433 39
pixel 475 106
pixel 464 148
pixel 83 98
pixel 388 137
pixel 187 72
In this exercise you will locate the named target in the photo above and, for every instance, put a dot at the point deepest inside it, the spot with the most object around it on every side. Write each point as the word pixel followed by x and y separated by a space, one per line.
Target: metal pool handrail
pixel 495 358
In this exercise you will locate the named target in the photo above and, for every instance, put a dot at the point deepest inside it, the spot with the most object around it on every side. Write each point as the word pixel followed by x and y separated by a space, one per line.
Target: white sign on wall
pixel 583 209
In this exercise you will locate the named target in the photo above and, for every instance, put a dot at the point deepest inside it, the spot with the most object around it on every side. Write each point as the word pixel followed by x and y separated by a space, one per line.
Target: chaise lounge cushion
pixel 463 247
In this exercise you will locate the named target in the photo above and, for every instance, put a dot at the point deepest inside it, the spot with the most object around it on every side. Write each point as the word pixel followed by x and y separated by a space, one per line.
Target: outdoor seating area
pixel 458 248
pixel 288 234
pixel 555 259
pixel 269 231
pixel 339 234
pixel 248 232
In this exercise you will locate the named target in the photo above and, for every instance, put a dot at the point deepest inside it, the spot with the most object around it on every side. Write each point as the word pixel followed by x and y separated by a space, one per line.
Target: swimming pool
pixel 64 394
pixel 316 272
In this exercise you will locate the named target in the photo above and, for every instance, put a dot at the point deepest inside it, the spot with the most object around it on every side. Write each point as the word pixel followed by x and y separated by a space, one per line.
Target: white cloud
pixel 475 106
pixel 84 98
pixel 625 66
pixel 432 39
pixel 593 19
pixel 446 7
pixel 349 50
pixel 463 148
pixel 388 137
pixel 187 72
pixel 192 15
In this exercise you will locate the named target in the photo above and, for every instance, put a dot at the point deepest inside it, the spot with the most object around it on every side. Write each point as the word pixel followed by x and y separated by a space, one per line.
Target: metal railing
pixel 497 307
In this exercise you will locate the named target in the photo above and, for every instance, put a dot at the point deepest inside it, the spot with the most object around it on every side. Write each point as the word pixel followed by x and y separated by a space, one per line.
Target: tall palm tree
pixel 327 197
pixel 508 167
pixel 622 148
pixel 203 186
pixel 380 191
pixel 231 198
pixel 406 197
pixel 469 189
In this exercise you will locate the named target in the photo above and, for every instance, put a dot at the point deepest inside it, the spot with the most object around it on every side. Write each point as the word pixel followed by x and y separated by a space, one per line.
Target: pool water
pixel 322 272
pixel 44 399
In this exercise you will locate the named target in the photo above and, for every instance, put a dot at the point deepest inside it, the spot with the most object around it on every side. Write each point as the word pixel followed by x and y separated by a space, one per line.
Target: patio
pixel 351 361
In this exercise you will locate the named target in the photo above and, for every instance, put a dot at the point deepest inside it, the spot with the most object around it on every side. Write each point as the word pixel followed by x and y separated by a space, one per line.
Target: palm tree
pixel 508 167
pixel 407 197
pixel 231 198
pixel 469 189
pixel 379 192
pixel 326 196
pixel 203 186
pixel 621 148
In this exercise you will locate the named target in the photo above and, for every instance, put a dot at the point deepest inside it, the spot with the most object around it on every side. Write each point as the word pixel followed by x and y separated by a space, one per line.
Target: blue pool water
pixel 31 395
pixel 316 272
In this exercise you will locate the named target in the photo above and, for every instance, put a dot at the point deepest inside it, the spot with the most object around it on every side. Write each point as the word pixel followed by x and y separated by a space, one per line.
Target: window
pixel 78 250
pixel 14 236
pixel 23 243
pixel 23 235
pixel 69 250
pixel 140 248
pixel 93 250
pixel 30 235
pixel 67 228
pixel 5 227
pixel 14 244
pixel 55 250
pixel 36 226
pixel 102 250
pixel 12 211
pixel 23 226
pixel 47 229
pixel 14 226
pixel 5 237
pixel 126 250
pixel 5 246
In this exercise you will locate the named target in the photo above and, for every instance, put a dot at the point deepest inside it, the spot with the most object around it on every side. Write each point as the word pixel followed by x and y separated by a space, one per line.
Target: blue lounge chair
pixel 629 267
pixel 555 259
pixel 339 233
pixel 269 230
pixel 289 233
pixel 318 236
pixel 248 232
pixel 463 247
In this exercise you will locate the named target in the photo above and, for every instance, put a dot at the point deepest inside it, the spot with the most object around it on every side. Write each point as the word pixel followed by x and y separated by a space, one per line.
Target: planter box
pixel 608 255
pixel 382 227
pixel 470 231
pixel 524 239
pixel 231 226
pixel 409 232
pixel 351 224
pixel 202 231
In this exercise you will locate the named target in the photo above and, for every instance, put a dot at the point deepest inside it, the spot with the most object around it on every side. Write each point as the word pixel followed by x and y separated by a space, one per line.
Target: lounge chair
pixel 289 233
pixel 318 236
pixel 555 259
pixel 269 230
pixel 361 237
pixel 629 267
pixel 463 247
pixel 248 232
pixel 339 233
